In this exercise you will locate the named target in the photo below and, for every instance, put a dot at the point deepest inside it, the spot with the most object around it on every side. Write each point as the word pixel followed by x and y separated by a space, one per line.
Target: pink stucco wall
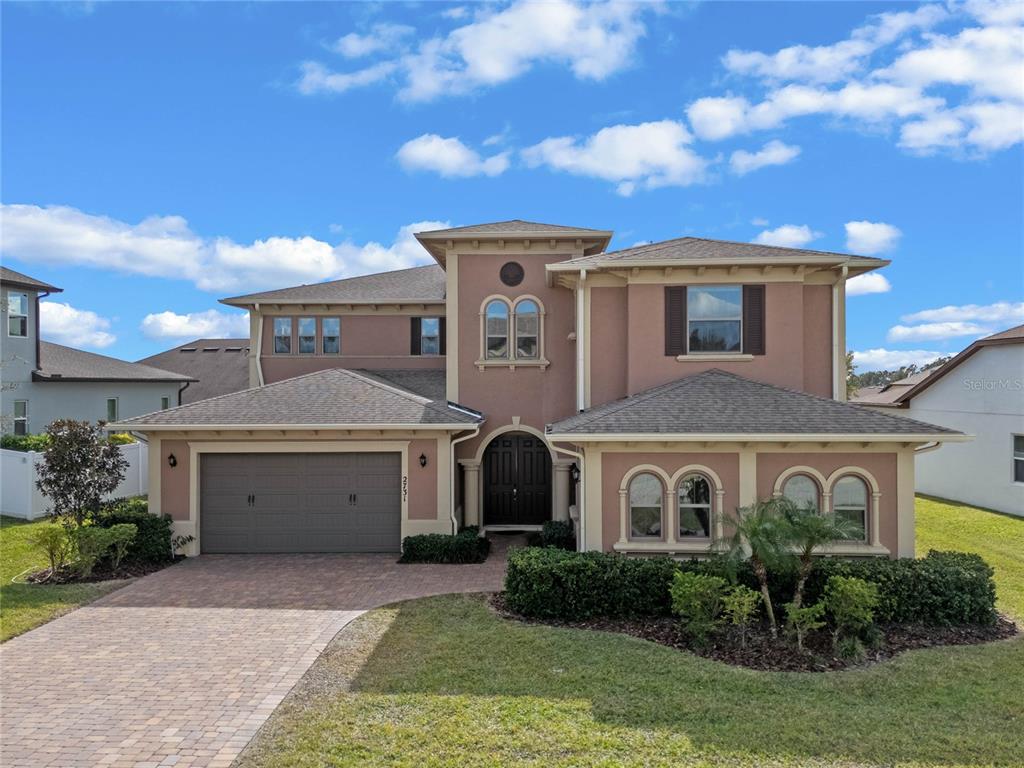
pixel 174 480
pixel 537 396
pixel 614 467
pixel 786 318
pixel 608 344
pixel 881 465
pixel 367 341
pixel 423 480
pixel 817 330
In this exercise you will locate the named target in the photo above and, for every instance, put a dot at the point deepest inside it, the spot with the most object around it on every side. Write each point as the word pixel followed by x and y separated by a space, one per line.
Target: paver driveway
pixel 183 666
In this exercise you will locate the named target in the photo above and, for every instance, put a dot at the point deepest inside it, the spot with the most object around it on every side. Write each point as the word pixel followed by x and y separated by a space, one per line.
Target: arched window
pixel 850 501
pixel 803 491
pixel 496 330
pixel 527 330
pixel 694 494
pixel 646 495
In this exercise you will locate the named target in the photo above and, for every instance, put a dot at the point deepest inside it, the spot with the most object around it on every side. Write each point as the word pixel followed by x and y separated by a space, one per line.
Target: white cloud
pixel 759 221
pixel 448 157
pixel 961 91
pixel 869 283
pixel 593 40
pixel 647 155
pixel 889 359
pixel 381 38
pixel 64 324
pixel 211 324
pixel 316 78
pixel 788 236
pixel 165 246
pixel 936 331
pixel 1000 312
pixel 772 153
pixel 870 237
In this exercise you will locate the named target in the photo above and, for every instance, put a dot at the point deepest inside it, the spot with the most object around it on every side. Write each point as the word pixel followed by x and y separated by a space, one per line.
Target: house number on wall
pixel 405 487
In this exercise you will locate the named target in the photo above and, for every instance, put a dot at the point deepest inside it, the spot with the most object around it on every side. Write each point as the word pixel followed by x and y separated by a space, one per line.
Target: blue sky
pixel 157 157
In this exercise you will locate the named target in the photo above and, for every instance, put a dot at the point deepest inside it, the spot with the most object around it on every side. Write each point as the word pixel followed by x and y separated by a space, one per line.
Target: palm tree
pixel 808 531
pixel 761 533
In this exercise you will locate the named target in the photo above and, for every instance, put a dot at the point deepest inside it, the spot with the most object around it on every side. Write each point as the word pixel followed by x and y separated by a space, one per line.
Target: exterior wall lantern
pixel 423 459
pixel 172 460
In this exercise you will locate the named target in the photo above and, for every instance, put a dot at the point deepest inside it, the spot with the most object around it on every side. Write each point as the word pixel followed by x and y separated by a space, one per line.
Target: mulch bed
pixel 99 573
pixel 764 653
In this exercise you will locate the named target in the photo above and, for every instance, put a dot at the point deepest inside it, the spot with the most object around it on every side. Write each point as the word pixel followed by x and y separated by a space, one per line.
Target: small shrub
pixel 697 601
pixel 121 537
pixel 558 533
pixel 54 542
pixel 739 605
pixel 467 546
pixel 803 619
pixel 851 603
pixel 152 544
pixel 851 649
pixel 25 443
pixel 94 543
pixel 120 438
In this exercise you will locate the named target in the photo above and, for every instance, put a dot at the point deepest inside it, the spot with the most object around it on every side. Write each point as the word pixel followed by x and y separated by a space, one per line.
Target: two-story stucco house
pixel 43 381
pixel 530 375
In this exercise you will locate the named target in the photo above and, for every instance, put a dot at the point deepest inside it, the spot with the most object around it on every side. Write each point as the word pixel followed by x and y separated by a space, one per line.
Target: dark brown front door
pixel 517 481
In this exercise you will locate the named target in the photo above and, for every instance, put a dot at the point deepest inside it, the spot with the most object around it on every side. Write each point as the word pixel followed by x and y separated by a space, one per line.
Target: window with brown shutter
pixel 675 320
pixel 753 320
pixel 416 336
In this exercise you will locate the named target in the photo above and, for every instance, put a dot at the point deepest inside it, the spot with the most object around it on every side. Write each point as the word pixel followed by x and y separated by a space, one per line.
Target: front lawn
pixel 24 606
pixel 445 682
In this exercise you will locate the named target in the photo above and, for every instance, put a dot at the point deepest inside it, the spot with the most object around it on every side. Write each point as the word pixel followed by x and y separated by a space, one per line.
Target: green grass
pixel 445 682
pixel 24 606
pixel 998 538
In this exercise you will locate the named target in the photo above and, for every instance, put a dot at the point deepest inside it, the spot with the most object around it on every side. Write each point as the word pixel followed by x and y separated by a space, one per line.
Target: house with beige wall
pixel 531 374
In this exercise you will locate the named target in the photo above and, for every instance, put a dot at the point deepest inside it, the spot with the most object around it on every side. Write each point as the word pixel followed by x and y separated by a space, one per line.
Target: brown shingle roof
pixel 10 277
pixel 512 227
pixel 60 363
pixel 715 402
pixel 332 397
pixel 219 366
pixel 414 285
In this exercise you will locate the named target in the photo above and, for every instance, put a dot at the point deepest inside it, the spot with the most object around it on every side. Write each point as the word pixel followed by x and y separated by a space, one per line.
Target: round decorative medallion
pixel 512 273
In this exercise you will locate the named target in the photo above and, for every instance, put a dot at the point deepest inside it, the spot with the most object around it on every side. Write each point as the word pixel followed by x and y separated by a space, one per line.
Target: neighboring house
pixel 531 375
pixel 43 381
pixel 980 392
pixel 219 366
pixel 886 394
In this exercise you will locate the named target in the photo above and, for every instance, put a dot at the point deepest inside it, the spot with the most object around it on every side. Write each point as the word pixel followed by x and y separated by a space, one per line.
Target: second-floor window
pixel 307 335
pixel 17 314
pixel 427 336
pixel 331 332
pixel 111 409
pixel 527 330
pixel 282 335
pixel 714 319
pixel 496 330
pixel 512 330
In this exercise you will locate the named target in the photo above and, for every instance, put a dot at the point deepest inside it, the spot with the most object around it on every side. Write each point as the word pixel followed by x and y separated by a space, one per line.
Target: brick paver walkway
pixel 182 667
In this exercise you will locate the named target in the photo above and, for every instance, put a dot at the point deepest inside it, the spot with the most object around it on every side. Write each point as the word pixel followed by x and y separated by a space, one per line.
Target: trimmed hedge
pixel 944 588
pixel 467 546
pixel 25 443
pixel 152 542
pixel 558 533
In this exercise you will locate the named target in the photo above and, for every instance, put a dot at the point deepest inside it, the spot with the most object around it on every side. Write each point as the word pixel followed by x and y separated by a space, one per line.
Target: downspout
pixel 451 474
pixel 37 367
pixel 838 356
pixel 580 344
pixel 259 346
pixel 581 545
pixel 182 390
pixel 927 448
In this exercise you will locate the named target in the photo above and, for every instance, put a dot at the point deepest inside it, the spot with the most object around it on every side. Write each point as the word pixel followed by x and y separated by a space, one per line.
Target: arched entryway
pixel 516 481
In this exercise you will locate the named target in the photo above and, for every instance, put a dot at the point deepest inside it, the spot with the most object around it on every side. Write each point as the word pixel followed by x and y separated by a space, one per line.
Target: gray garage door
pixel 300 502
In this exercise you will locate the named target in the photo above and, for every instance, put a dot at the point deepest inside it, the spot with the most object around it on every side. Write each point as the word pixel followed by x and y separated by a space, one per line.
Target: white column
pixel 669 515
pixel 560 502
pixel 623 516
pixel 876 535
pixel 748 477
pixel 471 491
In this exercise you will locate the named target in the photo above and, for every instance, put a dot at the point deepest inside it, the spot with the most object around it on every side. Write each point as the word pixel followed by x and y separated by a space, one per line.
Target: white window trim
pixel 117 408
pixel 714 505
pixel 7 301
pixel 715 355
pixel 24 418
pixel 512 361
pixel 872 543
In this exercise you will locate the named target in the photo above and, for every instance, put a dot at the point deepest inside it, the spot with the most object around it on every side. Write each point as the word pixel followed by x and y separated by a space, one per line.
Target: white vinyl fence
pixel 19 496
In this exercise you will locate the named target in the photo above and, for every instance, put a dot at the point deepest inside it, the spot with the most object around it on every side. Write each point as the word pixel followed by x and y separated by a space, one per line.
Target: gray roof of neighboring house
pixel 715 402
pixel 332 397
pixel 219 366
pixel 701 248
pixel 10 277
pixel 415 285
pixel 512 226
pixel 60 363
pixel 887 394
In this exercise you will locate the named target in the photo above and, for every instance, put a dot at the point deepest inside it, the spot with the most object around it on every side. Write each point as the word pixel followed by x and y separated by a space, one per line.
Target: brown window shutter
pixel 444 333
pixel 675 320
pixel 416 338
pixel 753 320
